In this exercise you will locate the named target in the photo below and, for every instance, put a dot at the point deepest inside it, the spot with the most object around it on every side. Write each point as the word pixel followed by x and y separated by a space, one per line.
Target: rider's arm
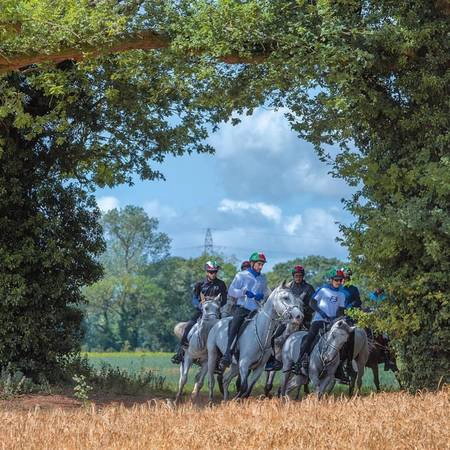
pixel 236 288
pixel 340 311
pixel 316 308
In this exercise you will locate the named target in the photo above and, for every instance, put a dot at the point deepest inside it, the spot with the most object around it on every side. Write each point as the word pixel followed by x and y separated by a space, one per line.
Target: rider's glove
pixel 259 297
pixel 325 315
pixel 250 294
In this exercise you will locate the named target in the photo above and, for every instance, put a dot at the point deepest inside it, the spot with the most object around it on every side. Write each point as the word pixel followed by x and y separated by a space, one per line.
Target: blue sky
pixel 263 190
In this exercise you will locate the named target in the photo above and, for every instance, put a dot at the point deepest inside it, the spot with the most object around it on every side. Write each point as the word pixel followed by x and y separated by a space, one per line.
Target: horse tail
pixel 179 328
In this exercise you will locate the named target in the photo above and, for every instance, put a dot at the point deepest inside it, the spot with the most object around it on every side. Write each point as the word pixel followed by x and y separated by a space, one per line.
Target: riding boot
pixel 341 375
pixel 273 364
pixel 301 367
pixel 179 355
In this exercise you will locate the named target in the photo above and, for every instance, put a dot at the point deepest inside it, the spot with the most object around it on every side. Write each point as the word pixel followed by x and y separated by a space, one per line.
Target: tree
pixel 316 268
pixel 125 303
pixel 369 77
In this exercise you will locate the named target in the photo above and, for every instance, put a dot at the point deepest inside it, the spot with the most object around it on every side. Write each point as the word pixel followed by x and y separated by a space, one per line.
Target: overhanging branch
pixel 144 40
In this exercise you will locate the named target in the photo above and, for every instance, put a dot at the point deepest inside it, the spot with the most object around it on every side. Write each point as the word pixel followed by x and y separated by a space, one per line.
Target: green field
pixel 160 363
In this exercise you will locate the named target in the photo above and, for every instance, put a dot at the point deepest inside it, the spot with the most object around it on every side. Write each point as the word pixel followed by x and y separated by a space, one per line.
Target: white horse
pixel 254 344
pixel 324 358
pixel 196 350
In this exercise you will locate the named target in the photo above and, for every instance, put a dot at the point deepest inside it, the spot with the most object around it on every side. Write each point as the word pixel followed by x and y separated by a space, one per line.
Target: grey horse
pixel 253 344
pixel 196 350
pixel 324 358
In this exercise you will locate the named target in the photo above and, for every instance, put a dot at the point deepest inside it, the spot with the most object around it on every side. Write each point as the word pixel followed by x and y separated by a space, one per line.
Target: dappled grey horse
pixel 196 350
pixel 254 344
pixel 324 358
pixel 291 327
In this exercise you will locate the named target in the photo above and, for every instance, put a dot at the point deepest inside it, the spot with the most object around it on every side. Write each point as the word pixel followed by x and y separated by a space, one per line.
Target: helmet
pixel 335 273
pixel 298 269
pixel 347 271
pixel 211 266
pixel 257 257
pixel 245 265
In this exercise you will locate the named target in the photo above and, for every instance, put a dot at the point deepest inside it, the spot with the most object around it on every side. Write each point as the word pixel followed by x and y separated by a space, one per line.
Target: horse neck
pixel 265 317
pixel 328 348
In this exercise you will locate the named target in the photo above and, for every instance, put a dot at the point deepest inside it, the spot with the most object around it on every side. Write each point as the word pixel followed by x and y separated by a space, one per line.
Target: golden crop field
pixel 378 421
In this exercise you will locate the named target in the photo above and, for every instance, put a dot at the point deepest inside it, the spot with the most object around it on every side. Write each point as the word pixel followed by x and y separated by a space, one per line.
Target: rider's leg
pixel 273 363
pixel 178 357
pixel 239 315
pixel 305 349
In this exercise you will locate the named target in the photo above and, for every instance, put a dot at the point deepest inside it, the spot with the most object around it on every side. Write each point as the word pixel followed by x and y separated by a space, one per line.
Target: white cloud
pixel 263 151
pixel 154 209
pixel 292 224
pixel 270 212
pixel 107 203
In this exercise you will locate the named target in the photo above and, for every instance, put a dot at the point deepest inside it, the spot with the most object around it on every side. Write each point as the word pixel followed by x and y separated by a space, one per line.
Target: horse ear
pixel 283 284
pixel 217 299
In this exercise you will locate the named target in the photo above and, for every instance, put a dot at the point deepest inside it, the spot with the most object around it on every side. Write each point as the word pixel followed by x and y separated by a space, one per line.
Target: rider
pixel 378 295
pixel 249 287
pixel 211 286
pixel 328 302
pixel 304 291
pixel 351 292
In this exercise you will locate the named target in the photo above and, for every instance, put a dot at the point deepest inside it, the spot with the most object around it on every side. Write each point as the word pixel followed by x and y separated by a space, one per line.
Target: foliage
pixel 315 270
pixel 125 307
pixel 81 389
pixel 370 78
pixel 50 238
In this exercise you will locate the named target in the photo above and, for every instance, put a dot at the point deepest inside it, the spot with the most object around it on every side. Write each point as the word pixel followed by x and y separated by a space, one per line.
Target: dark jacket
pixel 304 291
pixel 209 289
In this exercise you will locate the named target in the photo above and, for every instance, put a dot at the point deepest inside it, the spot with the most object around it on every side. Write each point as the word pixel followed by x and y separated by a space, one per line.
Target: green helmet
pixel 257 257
pixel 335 273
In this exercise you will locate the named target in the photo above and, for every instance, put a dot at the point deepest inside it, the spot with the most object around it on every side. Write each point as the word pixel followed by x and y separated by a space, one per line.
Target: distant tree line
pixel 145 292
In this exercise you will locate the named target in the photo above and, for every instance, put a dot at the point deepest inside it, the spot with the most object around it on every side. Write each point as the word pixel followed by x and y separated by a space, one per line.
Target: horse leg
pixel 254 378
pixel 269 382
pixel 212 360
pixel 376 376
pixel 284 382
pixel 184 370
pixel 229 375
pixel 199 379
pixel 351 386
pixel 243 372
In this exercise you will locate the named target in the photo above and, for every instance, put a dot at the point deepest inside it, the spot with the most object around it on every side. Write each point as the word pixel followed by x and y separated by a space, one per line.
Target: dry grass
pixel 387 420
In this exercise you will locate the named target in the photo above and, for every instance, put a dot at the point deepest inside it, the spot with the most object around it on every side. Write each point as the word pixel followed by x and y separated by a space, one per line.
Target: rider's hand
pixel 325 315
pixel 259 297
pixel 250 294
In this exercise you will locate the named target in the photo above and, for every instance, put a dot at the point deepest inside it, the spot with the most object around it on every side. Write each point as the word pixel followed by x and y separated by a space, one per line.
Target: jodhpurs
pixel 308 340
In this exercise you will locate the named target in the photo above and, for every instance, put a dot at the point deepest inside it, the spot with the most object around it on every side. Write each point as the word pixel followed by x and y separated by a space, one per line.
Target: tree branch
pixel 144 40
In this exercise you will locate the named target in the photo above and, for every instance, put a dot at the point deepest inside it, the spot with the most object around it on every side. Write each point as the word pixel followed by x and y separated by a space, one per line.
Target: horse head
pixel 286 305
pixel 211 307
pixel 339 332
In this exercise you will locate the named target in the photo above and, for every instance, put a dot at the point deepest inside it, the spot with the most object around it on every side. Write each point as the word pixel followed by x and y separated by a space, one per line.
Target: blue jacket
pixel 248 280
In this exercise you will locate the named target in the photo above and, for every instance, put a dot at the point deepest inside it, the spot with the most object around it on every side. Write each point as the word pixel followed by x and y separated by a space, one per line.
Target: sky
pixel 264 190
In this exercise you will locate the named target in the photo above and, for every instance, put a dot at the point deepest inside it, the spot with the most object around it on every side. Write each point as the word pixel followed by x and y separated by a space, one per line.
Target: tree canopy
pixel 369 77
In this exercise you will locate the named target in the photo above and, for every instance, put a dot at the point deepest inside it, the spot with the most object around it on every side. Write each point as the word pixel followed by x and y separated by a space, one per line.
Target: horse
pixel 253 344
pixel 324 358
pixel 196 350
pixel 291 327
pixel 377 355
